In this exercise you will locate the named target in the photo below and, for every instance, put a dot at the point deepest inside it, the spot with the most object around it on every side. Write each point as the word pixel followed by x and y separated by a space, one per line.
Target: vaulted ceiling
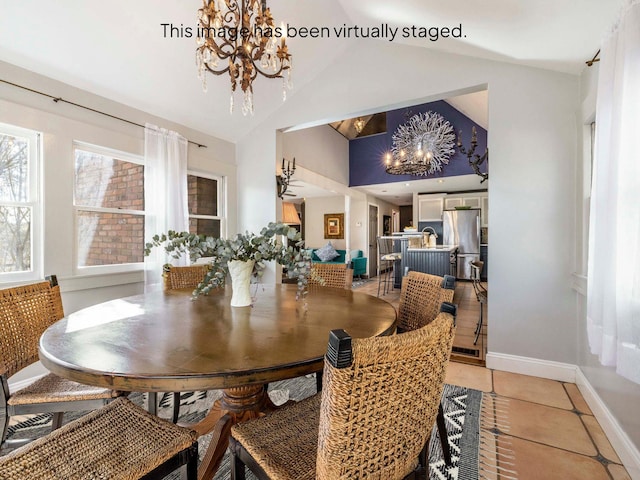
pixel 118 49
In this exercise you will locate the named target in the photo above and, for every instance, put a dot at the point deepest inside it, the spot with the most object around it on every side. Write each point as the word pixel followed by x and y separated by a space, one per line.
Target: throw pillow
pixel 327 253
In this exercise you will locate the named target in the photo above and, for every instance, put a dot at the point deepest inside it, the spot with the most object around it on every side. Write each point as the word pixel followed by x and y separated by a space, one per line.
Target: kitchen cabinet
pixel 473 200
pixel 451 203
pixel 430 207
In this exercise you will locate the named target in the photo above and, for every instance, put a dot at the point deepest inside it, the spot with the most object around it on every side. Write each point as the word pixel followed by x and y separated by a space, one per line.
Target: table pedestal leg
pixel 236 405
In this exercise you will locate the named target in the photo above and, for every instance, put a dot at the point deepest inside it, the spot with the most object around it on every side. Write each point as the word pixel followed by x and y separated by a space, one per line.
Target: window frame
pixel 116 267
pixel 34 202
pixel 221 200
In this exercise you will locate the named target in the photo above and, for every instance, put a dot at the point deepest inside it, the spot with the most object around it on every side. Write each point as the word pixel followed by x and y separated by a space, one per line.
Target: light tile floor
pixel 551 430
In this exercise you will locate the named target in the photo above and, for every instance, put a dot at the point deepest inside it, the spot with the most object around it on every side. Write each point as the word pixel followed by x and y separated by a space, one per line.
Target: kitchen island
pixel 439 260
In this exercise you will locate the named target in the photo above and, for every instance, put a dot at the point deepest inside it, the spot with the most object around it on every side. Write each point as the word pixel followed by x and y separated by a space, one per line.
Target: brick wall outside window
pixel 203 200
pixel 107 238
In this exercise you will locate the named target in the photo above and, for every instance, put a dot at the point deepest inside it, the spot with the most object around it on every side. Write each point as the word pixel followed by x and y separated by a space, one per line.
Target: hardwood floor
pixel 468 315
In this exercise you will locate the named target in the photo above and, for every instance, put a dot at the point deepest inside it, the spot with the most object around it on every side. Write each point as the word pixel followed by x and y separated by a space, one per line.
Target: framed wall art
pixel 334 225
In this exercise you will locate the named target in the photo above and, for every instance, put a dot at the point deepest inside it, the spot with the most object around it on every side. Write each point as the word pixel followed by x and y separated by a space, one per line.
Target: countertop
pixel 439 248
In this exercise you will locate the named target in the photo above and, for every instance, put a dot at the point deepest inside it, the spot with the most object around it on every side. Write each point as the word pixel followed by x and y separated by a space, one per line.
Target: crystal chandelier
pixel 239 37
pixel 421 145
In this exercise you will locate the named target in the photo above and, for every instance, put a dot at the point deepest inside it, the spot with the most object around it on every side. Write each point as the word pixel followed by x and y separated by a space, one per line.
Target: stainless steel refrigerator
pixel 462 228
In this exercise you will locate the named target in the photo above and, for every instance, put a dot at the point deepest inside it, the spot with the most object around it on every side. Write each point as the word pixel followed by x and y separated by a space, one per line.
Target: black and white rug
pixel 462 408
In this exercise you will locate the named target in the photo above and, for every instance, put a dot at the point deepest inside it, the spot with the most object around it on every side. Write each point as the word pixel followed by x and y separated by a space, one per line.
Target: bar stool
pixel 481 294
pixel 387 259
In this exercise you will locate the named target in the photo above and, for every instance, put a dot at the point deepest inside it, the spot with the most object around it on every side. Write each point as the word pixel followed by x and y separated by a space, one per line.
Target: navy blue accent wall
pixel 366 155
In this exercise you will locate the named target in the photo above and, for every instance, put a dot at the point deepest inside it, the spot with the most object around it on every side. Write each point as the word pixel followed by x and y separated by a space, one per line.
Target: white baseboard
pixel 620 441
pixel 563 372
pixel 15 386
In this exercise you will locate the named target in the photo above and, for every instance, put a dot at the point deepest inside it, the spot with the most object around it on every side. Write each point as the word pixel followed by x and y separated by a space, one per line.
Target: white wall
pixel 532 139
pixel 314 211
pixel 320 149
pixel 63 124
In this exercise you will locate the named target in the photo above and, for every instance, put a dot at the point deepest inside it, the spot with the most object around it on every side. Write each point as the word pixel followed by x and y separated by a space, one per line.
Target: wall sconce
pixel 284 178
pixel 478 160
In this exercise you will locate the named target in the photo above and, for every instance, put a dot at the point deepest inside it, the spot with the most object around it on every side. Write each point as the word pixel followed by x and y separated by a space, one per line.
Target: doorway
pixel 373 242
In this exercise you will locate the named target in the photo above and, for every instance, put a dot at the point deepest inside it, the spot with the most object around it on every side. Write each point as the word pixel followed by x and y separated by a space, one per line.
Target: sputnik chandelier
pixel 421 145
pixel 239 37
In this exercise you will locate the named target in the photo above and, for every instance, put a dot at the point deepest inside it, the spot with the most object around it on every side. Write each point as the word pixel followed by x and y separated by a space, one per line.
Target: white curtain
pixel 165 170
pixel 613 302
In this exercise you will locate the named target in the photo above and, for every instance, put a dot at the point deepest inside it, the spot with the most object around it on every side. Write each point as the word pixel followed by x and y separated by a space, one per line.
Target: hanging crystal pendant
pixel 289 79
pixel 247 104
pixel 215 20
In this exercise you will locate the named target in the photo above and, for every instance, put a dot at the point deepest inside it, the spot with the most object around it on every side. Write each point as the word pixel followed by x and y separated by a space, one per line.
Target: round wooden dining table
pixel 170 342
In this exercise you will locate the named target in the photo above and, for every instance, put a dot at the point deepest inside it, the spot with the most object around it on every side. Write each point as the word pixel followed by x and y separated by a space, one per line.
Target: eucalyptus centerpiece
pixel 242 257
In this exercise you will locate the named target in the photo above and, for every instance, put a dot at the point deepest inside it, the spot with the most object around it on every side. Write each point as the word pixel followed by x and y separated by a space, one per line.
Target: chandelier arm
pixel 247 45
pixel 216 72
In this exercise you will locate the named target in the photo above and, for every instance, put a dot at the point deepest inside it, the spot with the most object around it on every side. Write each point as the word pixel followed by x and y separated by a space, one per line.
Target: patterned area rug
pixel 359 282
pixel 462 406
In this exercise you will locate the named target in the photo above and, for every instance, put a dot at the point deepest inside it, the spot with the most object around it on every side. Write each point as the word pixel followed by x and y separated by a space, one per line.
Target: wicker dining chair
pixel 331 275
pixel 120 441
pixel 373 418
pixel 420 298
pixel 25 313
pixel 176 278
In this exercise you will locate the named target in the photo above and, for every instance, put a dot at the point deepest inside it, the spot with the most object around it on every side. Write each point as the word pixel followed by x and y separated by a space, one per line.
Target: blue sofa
pixel 358 261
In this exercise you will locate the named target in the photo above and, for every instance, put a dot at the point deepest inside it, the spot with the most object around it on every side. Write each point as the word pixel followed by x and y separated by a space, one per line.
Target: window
pixel 109 207
pixel 20 205
pixel 205 205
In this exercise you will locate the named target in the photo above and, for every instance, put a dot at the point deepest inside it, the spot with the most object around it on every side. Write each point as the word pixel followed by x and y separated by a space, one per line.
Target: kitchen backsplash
pixel 437 226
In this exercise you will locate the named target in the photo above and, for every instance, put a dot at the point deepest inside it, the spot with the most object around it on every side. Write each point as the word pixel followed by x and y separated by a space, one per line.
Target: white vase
pixel 240 273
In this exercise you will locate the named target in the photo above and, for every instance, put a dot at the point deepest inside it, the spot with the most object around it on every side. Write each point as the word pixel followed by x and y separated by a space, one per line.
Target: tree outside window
pixel 18 200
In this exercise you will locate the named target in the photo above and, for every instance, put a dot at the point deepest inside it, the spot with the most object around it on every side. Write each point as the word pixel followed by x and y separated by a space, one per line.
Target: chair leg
pixel 237 466
pixel 56 420
pixel 479 326
pixel 152 403
pixel 442 432
pixel 4 426
pixel 318 382
pixel 192 464
pixel 176 406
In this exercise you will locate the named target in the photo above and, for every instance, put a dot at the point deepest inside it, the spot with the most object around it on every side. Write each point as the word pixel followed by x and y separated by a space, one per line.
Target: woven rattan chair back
pixel 376 415
pixel 25 313
pixel 118 442
pixel 335 275
pixel 184 277
pixel 420 299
